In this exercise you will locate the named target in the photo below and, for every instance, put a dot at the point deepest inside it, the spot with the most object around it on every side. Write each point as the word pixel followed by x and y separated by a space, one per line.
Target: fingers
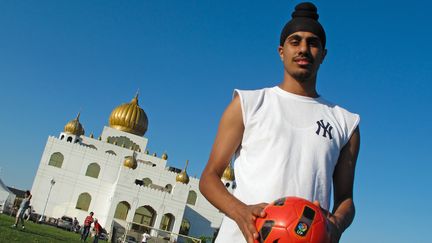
pixel 325 212
pixel 258 210
pixel 246 221
pixel 262 205
pixel 250 233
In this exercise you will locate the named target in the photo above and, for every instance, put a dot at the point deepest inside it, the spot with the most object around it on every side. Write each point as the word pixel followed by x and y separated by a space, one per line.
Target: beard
pixel 303 76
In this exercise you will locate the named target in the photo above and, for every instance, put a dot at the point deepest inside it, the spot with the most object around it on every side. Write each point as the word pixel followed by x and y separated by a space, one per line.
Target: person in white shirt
pixel 145 237
pixel 25 203
pixel 287 140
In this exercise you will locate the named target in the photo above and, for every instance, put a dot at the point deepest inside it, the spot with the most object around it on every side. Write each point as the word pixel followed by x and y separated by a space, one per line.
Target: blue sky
pixel 61 57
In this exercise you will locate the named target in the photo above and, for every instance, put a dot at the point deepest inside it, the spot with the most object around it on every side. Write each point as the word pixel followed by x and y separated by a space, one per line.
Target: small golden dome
pixel 228 173
pixel 129 117
pixel 164 156
pixel 91 135
pixel 183 176
pixel 74 127
pixel 130 162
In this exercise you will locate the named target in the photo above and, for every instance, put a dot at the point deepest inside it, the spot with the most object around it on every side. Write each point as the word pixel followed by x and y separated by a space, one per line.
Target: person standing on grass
pixel 86 228
pixel 98 230
pixel 75 225
pixel 23 207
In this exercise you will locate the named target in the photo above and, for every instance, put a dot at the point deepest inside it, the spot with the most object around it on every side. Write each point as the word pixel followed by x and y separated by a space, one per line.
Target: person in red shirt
pixel 87 224
pixel 98 230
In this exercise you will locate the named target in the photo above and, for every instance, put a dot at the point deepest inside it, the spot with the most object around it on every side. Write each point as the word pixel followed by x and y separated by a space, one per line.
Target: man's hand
pixel 245 217
pixel 332 221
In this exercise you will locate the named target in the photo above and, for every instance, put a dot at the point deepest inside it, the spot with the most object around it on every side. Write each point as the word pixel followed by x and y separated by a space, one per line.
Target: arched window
pixel 122 210
pixel 69 139
pixel 83 202
pixel 123 142
pixel 110 152
pixel 185 227
pixel 56 160
pixel 62 136
pixel 192 197
pixel 93 170
pixel 144 215
pixel 167 222
pixel 168 188
pixel 147 182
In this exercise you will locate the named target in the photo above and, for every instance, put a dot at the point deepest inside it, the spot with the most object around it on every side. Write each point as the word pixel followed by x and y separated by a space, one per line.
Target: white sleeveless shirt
pixel 290 147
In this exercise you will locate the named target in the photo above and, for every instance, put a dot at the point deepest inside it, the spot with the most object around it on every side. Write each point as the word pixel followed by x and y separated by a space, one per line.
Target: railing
pixel 156 235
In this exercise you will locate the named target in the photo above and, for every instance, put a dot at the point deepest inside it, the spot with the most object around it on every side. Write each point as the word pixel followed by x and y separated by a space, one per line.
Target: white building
pixel 7 198
pixel 115 177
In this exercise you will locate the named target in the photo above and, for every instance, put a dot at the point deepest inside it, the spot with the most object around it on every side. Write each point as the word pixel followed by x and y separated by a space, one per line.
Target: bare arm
pixel 227 141
pixel 343 182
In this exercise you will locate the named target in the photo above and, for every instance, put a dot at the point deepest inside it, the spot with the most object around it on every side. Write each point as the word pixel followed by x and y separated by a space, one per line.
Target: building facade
pixel 116 177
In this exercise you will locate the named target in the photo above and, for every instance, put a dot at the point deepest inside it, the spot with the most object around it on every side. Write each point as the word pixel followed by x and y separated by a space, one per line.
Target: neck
pixel 303 88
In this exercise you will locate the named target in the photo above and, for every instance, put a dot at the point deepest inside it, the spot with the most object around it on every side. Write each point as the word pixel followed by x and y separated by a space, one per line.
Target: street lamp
pixel 46 203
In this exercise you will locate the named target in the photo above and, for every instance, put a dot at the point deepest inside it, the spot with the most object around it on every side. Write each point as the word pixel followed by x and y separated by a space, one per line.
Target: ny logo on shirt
pixel 325 128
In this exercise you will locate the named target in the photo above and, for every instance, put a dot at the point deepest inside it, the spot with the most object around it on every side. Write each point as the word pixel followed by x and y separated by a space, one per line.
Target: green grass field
pixel 35 233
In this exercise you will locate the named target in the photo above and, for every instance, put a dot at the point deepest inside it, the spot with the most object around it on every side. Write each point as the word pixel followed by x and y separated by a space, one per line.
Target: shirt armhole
pixel 353 127
pixel 239 94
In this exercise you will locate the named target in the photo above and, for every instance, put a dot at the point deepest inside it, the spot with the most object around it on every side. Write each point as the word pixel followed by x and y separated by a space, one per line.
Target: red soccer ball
pixel 292 220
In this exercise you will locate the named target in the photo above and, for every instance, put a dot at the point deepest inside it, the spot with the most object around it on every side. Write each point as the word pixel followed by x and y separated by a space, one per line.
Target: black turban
pixel 304 18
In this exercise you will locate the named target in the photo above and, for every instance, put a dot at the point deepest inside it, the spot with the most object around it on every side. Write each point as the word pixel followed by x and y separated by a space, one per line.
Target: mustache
pixel 303 57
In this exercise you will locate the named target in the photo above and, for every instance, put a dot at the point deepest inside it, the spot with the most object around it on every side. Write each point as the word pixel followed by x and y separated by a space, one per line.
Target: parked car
pixel 103 236
pixel 129 239
pixel 35 217
pixel 65 222
pixel 78 229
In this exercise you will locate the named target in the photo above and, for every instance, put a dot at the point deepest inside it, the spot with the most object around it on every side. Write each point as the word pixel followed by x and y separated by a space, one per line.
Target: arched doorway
pixel 122 210
pixel 144 216
pixel 167 222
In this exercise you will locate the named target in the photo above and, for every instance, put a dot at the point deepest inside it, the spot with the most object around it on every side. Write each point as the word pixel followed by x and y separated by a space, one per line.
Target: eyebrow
pixel 298 37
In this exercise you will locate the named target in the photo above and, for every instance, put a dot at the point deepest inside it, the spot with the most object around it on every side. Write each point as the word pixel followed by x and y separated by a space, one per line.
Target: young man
pixel 86 228
pixel 98 230
pixel 145 237
pixel 25 203
pixel 287 141
pixel 75 225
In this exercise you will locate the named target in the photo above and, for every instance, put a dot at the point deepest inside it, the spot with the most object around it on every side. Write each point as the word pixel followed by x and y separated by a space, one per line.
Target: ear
pixel 280 51
pixel 324 54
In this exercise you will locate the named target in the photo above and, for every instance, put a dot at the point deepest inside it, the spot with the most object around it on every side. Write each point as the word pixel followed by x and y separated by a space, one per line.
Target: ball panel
pixel 293 220
pixel 276 235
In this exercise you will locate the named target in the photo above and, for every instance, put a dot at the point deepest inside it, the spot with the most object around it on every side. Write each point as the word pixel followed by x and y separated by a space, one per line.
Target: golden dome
pixel 74 127
pixel 130 162
pixel 164 156
pixel 183 176
pixel 129 117
pixel 228 173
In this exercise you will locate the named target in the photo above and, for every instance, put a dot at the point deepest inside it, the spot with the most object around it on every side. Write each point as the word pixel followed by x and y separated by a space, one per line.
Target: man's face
pixel 302 54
